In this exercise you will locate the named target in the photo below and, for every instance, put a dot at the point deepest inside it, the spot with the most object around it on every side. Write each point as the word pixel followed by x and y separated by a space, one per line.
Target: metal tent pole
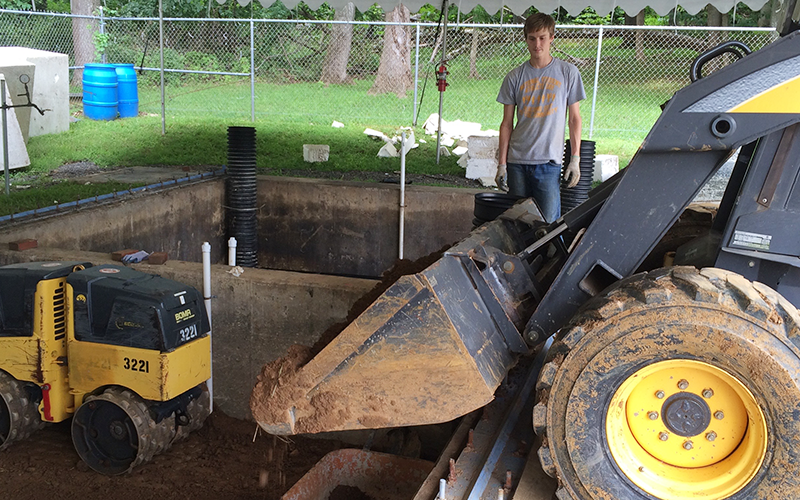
pixel 441 91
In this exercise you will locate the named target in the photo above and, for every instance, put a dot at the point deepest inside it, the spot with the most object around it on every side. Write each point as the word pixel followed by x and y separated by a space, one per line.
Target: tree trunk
pixel 473 55
pixel 394 71
pixel 640 36
pixel 82 30
pixel 335 68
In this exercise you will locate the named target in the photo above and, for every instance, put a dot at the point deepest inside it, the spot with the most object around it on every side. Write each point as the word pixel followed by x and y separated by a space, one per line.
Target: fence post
pixel 161 64
pixel 102 31
pixel 596 76
pixel 416 78
pixel 252 74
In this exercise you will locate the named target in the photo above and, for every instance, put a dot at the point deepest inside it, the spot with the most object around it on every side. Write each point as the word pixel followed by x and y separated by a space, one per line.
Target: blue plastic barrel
pixel 100 95
pixel 128 92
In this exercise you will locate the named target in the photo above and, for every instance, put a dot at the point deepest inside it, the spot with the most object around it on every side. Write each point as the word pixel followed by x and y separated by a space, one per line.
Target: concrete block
pixel 49 91
pixel 21 245
pixel 314 153
pixel 17 152
pixel 605 166
pixel 388 151
pixel 157 258
pixel 483 147
pixel 481 167
pixel 12 68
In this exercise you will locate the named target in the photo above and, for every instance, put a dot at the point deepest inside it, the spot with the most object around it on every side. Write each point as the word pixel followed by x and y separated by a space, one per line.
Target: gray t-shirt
pixel 542 97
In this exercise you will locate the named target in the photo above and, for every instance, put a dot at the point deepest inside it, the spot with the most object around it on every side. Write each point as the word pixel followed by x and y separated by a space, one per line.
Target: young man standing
pixel 546 94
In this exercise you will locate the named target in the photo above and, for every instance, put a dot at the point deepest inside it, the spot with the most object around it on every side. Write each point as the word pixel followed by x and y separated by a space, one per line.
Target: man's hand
pixel 573 173
pixel 502 177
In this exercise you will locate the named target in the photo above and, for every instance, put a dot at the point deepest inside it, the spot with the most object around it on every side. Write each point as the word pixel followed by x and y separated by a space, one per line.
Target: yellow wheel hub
pixel 686 428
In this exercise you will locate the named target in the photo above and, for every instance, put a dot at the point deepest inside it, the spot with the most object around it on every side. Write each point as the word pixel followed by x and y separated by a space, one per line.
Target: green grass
pixel 288 116
pixel 40 196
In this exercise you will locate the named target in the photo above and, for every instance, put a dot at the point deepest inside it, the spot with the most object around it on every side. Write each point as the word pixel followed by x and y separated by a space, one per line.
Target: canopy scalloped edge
pixel 573 7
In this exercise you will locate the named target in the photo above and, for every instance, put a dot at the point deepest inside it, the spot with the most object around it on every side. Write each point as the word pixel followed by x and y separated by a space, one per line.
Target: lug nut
pixel 719 415
pixel 707 393
pixel 683 384
pixel 653 415
pixel 711 436
pixel 688 445
pixel 660 394
pixel 663 436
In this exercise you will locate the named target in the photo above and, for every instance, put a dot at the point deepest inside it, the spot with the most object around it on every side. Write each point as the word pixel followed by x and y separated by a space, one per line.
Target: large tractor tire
pixel 674 384
pixel 19 415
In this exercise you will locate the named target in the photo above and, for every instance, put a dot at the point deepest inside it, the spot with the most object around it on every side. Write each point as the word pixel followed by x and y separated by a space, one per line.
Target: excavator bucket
pixel 433 347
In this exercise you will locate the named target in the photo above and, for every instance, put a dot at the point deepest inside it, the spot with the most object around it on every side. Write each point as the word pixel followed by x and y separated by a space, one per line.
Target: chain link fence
pixel 272 69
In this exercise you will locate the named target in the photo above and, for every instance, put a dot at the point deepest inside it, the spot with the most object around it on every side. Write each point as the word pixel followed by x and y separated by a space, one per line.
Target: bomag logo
pixel 80 298
pixel 183 315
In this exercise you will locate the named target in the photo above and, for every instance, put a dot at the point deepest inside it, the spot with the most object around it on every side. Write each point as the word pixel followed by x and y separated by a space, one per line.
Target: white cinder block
pixel 49 91
pixel 483 147
pixel 605 166
pixel 480 167
pixel 314 153
pixel 17 152
pixel 12 68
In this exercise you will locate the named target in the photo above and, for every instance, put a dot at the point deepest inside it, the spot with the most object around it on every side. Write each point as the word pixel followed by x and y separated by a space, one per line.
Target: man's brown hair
pixel 538 22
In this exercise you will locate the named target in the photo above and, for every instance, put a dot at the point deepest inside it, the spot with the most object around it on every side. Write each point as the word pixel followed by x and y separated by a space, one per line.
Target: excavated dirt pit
pixel 227 458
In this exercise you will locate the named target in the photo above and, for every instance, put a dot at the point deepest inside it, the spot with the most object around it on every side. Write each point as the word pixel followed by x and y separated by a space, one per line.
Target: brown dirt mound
pixel 220 461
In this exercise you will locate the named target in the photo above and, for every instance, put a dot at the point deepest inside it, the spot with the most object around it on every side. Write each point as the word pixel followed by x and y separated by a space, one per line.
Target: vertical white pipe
pixel 402 189
pixel 207 300
pixel 442 489
pixel 596 76
pixel 232 251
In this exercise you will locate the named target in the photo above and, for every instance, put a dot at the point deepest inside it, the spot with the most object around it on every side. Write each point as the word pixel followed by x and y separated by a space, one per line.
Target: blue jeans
pixel 540 182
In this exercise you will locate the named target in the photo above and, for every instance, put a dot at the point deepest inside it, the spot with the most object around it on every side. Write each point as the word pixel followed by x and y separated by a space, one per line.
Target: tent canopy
pixel 574 7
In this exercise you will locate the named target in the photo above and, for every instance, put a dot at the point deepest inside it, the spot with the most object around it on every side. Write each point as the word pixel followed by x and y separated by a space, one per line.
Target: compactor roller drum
pixel 114 431
pixel 677 383
pixel 19 416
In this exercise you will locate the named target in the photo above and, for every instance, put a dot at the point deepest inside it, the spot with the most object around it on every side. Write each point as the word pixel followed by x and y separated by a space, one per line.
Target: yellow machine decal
pixel 779 99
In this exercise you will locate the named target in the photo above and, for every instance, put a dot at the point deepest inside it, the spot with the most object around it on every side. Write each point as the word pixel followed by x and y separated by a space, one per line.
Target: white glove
pixel 502 177
pixel 133 258
pixel 573 173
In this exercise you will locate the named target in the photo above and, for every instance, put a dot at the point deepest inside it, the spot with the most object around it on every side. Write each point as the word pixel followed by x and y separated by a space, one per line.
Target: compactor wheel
pixel 113 432
pixel 674 384
pixel 19 416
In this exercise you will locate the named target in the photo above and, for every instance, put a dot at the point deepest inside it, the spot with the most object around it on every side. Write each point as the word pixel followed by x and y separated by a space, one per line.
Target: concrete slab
pixel 137 175
pixel 17 152
pixel 49 91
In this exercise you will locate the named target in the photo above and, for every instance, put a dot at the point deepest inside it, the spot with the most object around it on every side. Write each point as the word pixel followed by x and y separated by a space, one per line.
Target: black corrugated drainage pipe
pixel 572 197
pixel 241 194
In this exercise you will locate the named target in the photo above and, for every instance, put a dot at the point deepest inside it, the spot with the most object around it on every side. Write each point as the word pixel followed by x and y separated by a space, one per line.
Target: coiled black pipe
pixel 574 196
pixel 488 206
pixel 241 194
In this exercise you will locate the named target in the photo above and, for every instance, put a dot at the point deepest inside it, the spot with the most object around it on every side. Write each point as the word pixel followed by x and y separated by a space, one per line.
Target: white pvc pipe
pixel 207 300
pixel 402 189
pixel 232 251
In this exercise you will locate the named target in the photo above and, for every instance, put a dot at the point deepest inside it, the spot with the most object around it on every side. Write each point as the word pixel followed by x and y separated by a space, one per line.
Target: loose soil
pixel 220 461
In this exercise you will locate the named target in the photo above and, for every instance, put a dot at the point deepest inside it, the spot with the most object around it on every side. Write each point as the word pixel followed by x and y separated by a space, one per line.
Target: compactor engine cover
pixel 120 306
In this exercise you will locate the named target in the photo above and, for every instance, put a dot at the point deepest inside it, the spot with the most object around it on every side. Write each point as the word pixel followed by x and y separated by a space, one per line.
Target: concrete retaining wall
pixel 255 316
pixel 309 225
pixel 351 228
pixel 175 220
